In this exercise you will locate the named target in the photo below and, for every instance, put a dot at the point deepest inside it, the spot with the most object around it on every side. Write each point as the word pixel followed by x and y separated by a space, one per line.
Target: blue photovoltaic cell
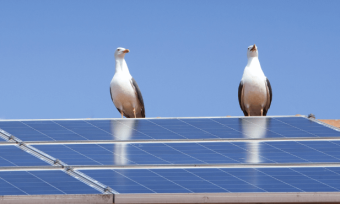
pixel 195 153
pixel 13 156
pixel 167 129
pixel 41 183
pixel 220 180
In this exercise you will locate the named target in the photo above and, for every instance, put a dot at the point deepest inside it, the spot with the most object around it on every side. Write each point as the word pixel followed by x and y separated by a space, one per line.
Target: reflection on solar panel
pixel 151 160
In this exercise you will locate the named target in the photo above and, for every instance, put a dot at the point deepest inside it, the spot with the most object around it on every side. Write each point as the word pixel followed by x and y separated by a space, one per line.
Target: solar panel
pixel 220 180
pixel 195 153
pixel 13 156
pixel 40 183
pixel 146 129
pixel 176 155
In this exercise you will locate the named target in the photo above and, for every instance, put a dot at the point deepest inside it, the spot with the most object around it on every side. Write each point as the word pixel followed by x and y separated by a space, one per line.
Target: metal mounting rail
pixel 286 139
pixel 171 166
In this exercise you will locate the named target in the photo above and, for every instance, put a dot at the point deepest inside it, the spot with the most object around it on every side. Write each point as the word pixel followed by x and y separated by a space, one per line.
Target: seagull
pixel 254 92
pixel 124 90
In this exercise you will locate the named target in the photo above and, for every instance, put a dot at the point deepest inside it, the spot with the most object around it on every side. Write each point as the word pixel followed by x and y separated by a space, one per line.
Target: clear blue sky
pixel 57 57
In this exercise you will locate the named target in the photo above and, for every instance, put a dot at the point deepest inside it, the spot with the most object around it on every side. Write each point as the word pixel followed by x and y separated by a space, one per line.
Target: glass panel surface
pixel 195 153
pixel 41 183
pixel 196 128
pixel 220 180
pixel 13 156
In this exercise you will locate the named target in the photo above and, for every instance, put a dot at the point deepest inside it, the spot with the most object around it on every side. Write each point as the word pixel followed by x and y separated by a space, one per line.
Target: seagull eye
pixel 118 49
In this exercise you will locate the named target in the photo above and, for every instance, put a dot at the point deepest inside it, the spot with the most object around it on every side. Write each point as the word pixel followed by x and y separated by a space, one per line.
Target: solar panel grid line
pixel 135 181
pixel 40 180
pixel 36 130
pixel 91 182
pixel 199 128
pixel 47 182
pixel 14 186
pixel 315 179
pixel 300 128
pixel 328 169
pixel 207 180
pixel 307 147
pixel 122 124
pixel 319 150
pixel 287 153
pixel 242 180
pixel 42 183
pixel 171 181
pixel 70 130
pixel 98 127
pixel 197 143
pixel 169 130
pixel 300 144
pixel 279 180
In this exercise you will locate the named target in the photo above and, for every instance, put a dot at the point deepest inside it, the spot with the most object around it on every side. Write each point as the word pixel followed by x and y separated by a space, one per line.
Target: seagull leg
pixel 261 111
pixel 121 112
pixel 134 112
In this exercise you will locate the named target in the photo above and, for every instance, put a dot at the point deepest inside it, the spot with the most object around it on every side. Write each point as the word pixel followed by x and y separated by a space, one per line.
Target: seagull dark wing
pixel 139 96
pixel 111 94
pixel 269 99
pixel 240 99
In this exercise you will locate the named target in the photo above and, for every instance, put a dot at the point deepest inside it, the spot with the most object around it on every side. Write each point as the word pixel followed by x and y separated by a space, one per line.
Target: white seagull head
pixel 252 51
pixel 120 52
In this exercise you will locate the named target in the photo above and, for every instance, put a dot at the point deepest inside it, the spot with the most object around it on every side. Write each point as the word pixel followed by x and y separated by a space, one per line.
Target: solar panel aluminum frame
pixel 229 198
pixel 159 118
pixel 321 197
pixel 43 199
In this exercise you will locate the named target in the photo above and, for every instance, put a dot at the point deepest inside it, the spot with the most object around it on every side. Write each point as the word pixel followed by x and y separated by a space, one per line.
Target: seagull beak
pixel 126 51
pixel 253 48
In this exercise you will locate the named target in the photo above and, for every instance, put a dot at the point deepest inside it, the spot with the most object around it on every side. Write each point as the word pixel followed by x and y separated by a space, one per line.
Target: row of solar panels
pixel 178 153
pixel 175 166
pixel 56 130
